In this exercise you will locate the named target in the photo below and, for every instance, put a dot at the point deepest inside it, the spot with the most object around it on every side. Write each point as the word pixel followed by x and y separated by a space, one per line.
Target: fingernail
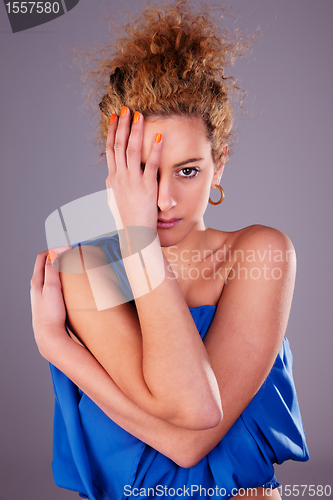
pixel 52 255
pixel 123 112
pixel 112 119
pixel 136 117
pixel 158 138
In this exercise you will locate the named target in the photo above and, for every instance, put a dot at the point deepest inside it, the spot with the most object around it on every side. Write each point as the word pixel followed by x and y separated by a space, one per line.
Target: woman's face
pixel 185 176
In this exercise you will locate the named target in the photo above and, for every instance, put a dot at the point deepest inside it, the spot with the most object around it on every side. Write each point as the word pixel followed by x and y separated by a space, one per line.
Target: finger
pixel 51 273
pixel 37 280
pixel 54 253
pixel 109 148
pixel 134 147
pixel 152 164
pixel 121 140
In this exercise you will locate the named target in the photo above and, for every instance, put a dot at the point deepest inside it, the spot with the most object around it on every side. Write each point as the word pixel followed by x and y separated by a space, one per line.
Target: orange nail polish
pixel 123 112
pixel 158 138
pixel 112 119
pixel 136 117
pixel 52 255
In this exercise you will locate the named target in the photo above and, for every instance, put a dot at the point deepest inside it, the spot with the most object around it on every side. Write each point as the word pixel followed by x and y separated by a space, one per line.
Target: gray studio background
pixel 280 175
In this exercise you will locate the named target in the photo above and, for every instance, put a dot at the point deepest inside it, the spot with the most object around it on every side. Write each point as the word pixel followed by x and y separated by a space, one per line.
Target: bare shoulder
pixel 258 244
pixel 262 236
pixel 253 243
pixel 78 268
pixel 81 258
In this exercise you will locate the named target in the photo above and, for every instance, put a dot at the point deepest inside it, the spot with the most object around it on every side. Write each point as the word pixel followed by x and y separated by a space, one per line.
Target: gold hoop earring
pixel 222 196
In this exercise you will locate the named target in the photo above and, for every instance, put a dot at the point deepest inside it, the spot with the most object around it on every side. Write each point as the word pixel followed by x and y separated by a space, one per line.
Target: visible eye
pixel 188 172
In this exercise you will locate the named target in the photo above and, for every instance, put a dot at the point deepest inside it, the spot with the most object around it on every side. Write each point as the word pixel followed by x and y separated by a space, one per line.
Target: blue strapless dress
pixel 95 457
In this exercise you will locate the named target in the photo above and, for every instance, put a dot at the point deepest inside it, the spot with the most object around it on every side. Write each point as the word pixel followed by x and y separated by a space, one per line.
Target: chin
pixel 169 238
pixel 166 238
pixel 166 241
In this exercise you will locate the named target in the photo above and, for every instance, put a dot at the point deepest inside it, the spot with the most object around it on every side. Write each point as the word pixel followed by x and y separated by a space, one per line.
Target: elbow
pixel 209 418
pixel 207 409
pixel 189 458
pixel 206 417
pixel 41 349
pixel 187 462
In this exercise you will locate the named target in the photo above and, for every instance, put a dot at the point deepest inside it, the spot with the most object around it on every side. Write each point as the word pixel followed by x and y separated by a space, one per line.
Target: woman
pixel 159 412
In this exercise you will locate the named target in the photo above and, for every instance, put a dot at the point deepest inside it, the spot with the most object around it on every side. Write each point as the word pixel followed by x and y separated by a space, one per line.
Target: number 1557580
pixel 30 7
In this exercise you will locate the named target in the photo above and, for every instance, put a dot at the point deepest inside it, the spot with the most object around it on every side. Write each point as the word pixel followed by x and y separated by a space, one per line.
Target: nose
pixel 165 195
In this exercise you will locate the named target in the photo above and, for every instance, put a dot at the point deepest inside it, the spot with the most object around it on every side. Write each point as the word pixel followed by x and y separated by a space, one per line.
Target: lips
pixel 167 223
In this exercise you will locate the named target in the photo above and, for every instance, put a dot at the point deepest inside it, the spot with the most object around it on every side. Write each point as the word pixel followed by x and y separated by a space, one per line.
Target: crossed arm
pixel 241 345
pixel 143 349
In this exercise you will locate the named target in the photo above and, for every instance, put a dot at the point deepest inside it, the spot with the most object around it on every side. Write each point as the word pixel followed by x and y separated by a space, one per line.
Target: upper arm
pixel 251 318
pixel 112 334
pixel 247 330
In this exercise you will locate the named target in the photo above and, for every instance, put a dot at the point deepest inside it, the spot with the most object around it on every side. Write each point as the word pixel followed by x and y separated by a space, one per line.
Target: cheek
pixel 195 197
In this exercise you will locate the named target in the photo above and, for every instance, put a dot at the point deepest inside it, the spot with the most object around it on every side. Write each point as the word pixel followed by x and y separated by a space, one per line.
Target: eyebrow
pixel 180 164
pixel 190 160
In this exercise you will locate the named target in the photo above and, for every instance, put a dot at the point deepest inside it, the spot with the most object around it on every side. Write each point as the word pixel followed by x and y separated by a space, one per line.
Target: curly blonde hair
pixel 168 61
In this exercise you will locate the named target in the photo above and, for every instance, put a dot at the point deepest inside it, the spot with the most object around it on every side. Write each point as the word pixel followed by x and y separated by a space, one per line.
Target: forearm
pixel 113 335
pixel 185 447
pixel 172 350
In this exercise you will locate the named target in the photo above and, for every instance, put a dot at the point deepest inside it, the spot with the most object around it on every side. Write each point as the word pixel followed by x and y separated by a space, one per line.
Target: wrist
pixel 143 258
pixel 135 239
